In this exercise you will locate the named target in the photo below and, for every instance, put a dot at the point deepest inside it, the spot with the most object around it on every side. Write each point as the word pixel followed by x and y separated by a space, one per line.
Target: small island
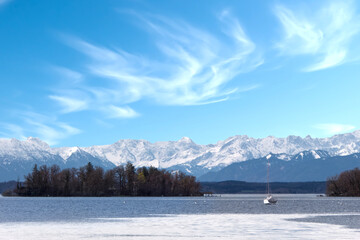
pixel 90 181
pixel 346 184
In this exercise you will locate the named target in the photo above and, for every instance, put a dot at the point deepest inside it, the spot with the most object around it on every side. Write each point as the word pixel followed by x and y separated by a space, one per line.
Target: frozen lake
pixel 225 217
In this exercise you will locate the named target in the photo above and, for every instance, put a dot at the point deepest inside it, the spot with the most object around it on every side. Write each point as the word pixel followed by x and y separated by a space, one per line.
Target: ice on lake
pixel 208 226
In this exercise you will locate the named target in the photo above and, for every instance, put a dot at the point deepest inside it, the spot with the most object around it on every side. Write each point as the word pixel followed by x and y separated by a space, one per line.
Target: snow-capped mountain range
pixel 17 157
pixel 306 166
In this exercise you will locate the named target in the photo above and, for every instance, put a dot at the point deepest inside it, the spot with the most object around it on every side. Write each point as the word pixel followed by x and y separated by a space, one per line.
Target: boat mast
pixel 268 186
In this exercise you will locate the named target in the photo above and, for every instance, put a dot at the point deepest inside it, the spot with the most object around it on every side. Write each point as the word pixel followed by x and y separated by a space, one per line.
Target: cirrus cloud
pixel 191 67
pixel 47 128
pixel 325 34
pixel 70 104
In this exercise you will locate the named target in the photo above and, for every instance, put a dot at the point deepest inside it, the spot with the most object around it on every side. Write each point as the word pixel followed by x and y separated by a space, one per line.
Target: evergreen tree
pixel 130 179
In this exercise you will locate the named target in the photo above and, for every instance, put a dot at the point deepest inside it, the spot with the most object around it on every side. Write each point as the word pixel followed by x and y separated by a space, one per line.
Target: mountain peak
pixel 70 151
pixel 356 133
pixel 36 141
pixel 312 154
pixel 186 140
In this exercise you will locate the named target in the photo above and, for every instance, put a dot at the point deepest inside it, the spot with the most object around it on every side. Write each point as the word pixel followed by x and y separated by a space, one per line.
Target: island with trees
pixel 345 184
pixel 95 181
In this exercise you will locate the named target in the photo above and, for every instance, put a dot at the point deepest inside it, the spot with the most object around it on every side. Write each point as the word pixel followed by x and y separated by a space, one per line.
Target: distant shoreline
pixel 238 187
pixel 241 187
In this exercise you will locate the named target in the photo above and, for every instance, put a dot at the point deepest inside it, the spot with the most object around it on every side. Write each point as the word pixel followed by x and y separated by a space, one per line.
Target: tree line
pixel 94 181
pixel 345 184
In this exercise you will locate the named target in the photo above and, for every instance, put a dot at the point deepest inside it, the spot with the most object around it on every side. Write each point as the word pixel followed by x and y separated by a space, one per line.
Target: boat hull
pixel 270 200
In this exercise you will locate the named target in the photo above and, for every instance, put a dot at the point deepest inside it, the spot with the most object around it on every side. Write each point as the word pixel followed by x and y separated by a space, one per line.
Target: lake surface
pixel 225 217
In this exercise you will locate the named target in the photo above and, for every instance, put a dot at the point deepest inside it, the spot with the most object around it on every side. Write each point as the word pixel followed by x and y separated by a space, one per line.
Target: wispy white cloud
pixel 53 133
pixel 48 129
pixel 11 130
pixel 325 34
pixel 68 74
pixel 120 112
pixel 333 128
pixel 192 67
pixel 69 104
pixel 4 1
pixel 248 88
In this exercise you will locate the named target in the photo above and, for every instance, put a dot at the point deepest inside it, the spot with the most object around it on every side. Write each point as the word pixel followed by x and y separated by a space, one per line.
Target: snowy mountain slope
pixel 302 167
pixel 17 157
pixel 28 150
pixel 183 154
pixel 144 153
pixel 77 157
pixel 80 158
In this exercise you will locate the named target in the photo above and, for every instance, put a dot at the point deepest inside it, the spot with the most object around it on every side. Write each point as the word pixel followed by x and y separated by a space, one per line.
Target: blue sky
pixel 86 72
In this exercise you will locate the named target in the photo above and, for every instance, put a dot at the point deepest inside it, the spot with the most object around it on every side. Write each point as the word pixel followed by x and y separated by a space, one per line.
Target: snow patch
pixel 284 157
pixel 315 154
pixel 209 226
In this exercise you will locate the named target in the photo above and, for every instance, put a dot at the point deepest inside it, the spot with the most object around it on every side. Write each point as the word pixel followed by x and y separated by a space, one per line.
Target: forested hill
pixel 94 181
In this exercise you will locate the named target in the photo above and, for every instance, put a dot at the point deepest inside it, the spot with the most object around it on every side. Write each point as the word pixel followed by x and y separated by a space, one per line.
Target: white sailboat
pixel 269 200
